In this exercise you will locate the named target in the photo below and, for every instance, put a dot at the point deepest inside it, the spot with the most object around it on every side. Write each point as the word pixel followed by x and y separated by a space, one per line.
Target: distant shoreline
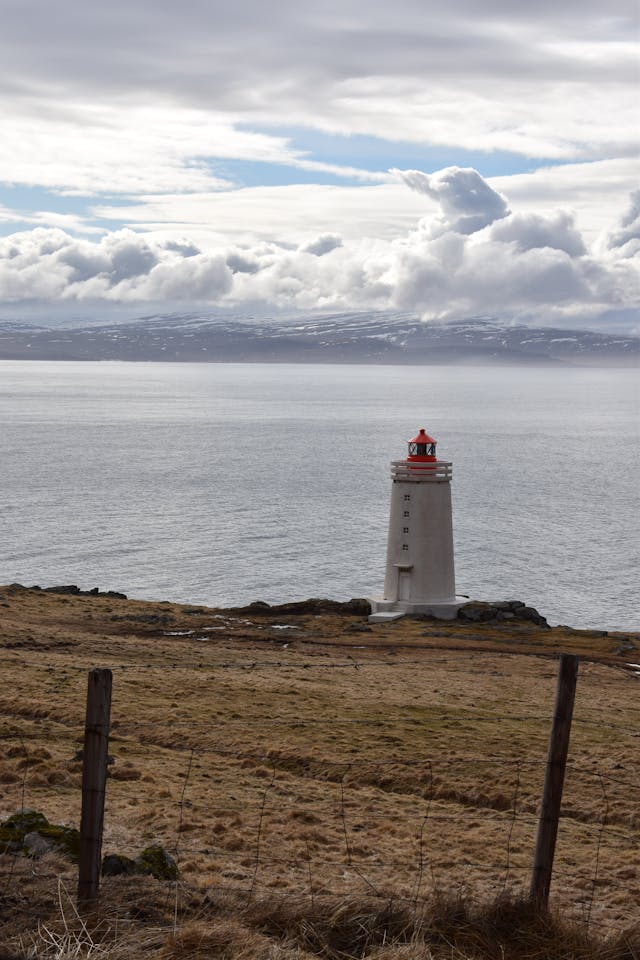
pixel 367 340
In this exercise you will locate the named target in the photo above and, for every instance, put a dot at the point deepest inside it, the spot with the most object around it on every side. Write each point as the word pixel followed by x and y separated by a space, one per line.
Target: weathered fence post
pixel 554 780
pixel 94 778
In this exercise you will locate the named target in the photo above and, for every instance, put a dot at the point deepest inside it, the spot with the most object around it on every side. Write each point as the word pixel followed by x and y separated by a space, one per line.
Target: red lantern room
pixel 422 448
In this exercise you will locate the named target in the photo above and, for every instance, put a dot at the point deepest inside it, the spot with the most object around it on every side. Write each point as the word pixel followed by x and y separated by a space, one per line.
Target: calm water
pixel 223 484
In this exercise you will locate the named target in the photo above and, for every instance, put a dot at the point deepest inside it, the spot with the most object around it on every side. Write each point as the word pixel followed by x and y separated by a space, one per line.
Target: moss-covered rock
pixel 155 860
pixel 64 839
pixel 116 864
pixel 14 829
pixel 24 821
pixel 19 833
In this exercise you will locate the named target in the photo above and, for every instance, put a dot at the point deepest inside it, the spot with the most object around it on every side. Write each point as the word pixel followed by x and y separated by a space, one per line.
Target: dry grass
pixel 136 919
pixel 319 761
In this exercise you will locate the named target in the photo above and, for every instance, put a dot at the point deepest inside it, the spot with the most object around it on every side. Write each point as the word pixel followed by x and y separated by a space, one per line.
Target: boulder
pixel 71 589
pixel 357 606
pixel 35 845
pixel 29 832
pixel 478 611
pixel 115 864
pixel 155 860
pixel 530 613
pixel 25 820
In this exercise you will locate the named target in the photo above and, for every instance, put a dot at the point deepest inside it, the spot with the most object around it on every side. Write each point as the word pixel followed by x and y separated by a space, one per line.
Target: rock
pixel 155 860
pixel 530 613
pixel 65 840
pixel 35 845
pixel 315 606
pixel 23 822
pixel 357 628
pixel 476 611
pixel 69 588
pixel 30 832
pixel 358 606
pixel 115 864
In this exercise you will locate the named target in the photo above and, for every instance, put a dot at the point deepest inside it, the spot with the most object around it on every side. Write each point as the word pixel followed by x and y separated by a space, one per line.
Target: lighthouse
pixel 420 575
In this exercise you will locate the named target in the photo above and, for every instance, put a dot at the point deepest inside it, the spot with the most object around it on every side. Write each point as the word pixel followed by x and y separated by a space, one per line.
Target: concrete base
pixel 385 616
pixel 383 611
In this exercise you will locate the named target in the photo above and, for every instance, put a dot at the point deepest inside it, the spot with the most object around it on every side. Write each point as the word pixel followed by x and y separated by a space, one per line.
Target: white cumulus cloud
pixel 627 236
pixel 466 200
pixel 471 255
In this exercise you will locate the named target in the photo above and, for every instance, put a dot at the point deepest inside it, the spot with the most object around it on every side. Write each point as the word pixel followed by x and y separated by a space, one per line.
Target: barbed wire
pixel 319 661
pixel 261 722
pixel 270 755
pixel 421 800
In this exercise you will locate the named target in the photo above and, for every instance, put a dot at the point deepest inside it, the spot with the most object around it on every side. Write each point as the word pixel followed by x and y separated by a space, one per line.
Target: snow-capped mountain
pixel 338 338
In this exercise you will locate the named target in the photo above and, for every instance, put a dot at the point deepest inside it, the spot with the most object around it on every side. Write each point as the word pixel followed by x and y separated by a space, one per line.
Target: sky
pixel 450 160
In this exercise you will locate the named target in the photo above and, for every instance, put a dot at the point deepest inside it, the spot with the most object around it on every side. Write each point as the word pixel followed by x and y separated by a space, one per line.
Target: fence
pixel 255 803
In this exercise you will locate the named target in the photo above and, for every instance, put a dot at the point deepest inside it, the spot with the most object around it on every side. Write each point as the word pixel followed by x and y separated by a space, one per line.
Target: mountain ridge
pixel 362 338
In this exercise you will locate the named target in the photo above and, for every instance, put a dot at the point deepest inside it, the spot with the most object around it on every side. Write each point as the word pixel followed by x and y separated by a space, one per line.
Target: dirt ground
pixel 314 754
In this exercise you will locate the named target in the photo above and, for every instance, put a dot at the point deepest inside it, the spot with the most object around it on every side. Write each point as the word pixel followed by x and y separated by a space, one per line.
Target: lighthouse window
pixel 422 449
pixel 405 546
pixel 405 513
pixel 407 496
pixel 405 529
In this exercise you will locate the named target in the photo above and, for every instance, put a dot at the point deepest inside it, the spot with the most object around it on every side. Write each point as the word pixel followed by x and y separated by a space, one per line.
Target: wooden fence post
pixel 94 778
pixel 554 780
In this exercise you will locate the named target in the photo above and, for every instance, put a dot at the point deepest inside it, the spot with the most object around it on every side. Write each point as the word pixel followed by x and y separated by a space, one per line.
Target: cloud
pixel 529 231
pixel 518 265
pixel 467 201
pixel 123 267
pixel 184 84
pixel 66 221
pixel 595 194
pixel 627 236
pixel 294 214
pixel 91 149
pixel 323 244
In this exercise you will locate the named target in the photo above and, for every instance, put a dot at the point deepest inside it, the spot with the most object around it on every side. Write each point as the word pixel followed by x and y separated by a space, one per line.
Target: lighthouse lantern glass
pixel 422 449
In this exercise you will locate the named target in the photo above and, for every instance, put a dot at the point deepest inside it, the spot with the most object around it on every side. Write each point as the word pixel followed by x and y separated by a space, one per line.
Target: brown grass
pixel 402 763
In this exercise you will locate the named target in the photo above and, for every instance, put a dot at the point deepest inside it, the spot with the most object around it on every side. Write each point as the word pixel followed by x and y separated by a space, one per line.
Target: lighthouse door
pixel 404 585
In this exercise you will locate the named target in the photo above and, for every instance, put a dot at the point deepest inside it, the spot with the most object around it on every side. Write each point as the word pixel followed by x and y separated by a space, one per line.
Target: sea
pixel 221 484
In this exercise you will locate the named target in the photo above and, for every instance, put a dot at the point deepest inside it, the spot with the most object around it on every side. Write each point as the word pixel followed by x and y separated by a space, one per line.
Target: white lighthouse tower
pixel 420 574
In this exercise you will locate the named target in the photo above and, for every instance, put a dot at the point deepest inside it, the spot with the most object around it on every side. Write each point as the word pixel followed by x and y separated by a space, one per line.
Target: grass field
pixel 309 772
